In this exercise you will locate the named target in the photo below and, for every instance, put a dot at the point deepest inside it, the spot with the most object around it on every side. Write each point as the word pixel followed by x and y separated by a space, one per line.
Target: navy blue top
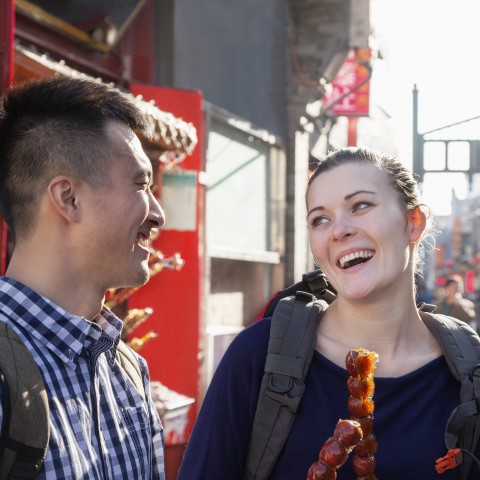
pixel 410 417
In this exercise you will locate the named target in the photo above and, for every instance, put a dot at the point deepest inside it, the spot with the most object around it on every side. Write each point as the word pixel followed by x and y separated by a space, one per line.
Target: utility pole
pixel 421 139
pixel 418 167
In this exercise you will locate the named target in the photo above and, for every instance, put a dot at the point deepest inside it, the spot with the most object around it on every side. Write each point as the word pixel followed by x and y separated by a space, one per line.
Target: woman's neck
pixel 395 332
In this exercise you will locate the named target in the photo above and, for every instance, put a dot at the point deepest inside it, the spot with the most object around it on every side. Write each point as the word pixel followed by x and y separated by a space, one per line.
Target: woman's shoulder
pixel 253 338
pixel 247 351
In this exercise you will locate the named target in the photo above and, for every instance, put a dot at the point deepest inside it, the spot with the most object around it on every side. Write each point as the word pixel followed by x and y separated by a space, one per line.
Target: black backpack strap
pixel 129 363
pixel 25 429
pixel 25 426
pixel 316 281
pixel 313 282
pixel 461 347
pixel 290 350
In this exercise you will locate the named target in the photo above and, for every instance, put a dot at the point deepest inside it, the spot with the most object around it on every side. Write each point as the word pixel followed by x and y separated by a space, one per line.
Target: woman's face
pixel 360 235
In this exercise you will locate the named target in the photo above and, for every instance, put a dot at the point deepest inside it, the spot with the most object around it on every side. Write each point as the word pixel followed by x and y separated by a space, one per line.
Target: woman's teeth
pixel 355 258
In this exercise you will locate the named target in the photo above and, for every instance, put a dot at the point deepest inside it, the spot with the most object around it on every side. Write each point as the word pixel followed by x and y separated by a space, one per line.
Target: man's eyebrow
pixel 347 197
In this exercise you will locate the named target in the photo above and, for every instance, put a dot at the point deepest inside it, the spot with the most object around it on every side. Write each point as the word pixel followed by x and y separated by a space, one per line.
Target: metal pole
pixel 417 140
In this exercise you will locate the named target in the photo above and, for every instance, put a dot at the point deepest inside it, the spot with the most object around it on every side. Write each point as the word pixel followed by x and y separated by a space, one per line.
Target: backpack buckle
pixel 316 280
pixel 473 372
pixel 307 297
pixel 452 459
pixel 281 386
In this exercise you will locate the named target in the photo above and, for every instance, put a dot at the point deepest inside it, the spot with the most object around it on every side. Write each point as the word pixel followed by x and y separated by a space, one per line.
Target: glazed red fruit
pixel 360 407
pixel 350 363
pixel 366 446
pixel 361 386
pixel 365 362
pixel 320 471
pixel 366 424
pixel 348 432
pixel 361 362
pixel 363 466
pixel 333 453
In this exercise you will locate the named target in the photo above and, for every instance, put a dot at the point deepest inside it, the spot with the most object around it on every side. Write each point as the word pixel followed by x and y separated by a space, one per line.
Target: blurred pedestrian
pixel 424 295
pixel 455 304
pixel 75 193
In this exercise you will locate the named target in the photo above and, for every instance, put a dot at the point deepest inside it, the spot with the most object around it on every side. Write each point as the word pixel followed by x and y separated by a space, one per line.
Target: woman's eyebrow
pixel 347 197
pixel 314 209
pixel 358 192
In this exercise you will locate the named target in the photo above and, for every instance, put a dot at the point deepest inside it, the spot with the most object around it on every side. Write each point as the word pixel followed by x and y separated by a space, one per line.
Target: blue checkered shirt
pixel 100 426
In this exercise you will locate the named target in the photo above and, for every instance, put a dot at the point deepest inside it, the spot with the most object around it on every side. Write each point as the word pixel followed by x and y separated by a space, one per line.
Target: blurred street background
pixel 244 98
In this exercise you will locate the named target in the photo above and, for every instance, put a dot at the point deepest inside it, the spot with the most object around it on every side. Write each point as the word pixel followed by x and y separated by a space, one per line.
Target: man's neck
pixel 57 284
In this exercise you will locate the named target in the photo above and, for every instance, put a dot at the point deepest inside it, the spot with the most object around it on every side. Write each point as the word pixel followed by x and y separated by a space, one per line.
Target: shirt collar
pixel 65 334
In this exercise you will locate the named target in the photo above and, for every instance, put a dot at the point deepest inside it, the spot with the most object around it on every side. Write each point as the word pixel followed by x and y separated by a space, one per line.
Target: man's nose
pixel 156 214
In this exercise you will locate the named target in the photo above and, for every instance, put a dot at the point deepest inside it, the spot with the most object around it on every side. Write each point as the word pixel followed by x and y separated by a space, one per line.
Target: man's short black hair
pixel 51 127
pixel 454 279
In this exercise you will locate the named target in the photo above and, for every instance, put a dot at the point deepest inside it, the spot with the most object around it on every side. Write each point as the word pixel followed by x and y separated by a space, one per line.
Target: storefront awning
pixel 170 134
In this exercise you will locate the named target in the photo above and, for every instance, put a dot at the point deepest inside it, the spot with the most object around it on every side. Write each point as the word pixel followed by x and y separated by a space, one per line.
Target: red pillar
pixel 7 22
pixel 7 34
pixel 352 131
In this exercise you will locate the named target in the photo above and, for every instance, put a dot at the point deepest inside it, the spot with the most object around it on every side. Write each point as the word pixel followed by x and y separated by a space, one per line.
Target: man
pixel 75 193
pixel 454 304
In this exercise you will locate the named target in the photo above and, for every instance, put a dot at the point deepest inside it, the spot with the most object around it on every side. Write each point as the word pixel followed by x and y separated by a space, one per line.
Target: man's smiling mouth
pixel 143 240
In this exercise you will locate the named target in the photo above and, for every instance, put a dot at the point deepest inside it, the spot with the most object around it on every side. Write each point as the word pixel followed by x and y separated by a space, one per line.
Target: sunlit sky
pixel 433 44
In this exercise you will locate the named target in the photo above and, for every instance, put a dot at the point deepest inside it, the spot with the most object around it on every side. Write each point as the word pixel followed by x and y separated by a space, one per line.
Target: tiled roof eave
pixel 168 133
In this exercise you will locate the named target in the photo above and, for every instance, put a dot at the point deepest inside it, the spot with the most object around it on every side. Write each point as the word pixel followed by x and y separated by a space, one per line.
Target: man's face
pixel 452 289
pixel 121 215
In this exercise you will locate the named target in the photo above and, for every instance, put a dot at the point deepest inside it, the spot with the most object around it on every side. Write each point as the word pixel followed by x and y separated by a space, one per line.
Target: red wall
pixel 7 26
pixel 175 296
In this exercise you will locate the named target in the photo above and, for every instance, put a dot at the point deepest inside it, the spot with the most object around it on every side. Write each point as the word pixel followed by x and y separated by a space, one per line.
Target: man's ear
pixel 417 222
pixel 62 191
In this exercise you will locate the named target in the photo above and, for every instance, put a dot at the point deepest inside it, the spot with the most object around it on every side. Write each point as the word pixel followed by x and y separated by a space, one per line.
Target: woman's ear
pixel 417 222
pixel 61 191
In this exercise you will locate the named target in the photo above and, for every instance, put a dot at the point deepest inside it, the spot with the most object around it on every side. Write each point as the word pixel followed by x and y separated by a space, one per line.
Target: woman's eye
pixel 316 221
pixel 361 206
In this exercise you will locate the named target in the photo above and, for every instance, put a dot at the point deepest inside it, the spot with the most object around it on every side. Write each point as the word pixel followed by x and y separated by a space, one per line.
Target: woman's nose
pixel 342 228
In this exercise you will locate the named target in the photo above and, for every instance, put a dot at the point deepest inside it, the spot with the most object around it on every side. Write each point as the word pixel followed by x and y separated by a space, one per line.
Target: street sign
pixel 351 87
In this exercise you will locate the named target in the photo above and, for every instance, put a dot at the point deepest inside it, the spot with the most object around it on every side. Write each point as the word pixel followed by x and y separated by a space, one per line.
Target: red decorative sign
pixel 354 99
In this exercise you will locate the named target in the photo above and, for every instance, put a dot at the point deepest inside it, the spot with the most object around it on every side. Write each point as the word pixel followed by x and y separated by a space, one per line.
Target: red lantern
pixel 469 281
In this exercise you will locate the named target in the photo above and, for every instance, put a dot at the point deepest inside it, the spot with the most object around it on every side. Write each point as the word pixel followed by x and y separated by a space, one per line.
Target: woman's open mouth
pixel 352 259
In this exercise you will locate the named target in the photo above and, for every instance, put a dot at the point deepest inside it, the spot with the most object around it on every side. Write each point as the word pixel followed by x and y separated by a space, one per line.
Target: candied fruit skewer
pixel 361 365
pixel 335 451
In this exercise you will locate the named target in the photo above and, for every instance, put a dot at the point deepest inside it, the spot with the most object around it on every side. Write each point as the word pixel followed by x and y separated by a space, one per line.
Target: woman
pixel 365 225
